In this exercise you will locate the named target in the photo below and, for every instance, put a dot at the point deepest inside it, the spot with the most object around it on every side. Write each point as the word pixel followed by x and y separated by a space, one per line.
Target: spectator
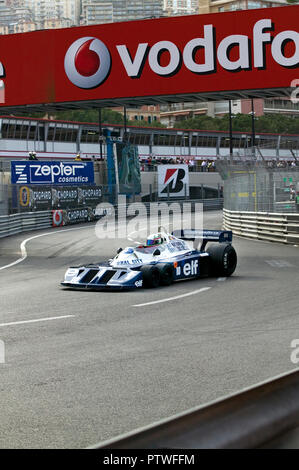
pixel 203 165
pixel 32 156
pixel 78 158
pixel 292 193
pixel 191 165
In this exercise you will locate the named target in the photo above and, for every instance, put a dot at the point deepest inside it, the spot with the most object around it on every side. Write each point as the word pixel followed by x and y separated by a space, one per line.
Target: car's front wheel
pixel 166 274
pixel 150 276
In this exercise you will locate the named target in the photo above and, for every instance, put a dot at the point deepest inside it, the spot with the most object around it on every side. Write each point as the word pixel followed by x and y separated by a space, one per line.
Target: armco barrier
pixel 265 415
pixel 208 204
pixel 26 221
pixel 17 223
pixel 276 227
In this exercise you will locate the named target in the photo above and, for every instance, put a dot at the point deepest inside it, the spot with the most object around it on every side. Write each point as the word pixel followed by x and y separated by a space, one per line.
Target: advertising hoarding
pixel 173 181
pixel 192 54
pixel 29 172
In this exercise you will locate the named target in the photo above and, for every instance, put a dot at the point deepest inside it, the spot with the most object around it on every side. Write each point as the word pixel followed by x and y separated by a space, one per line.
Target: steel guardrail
pixel 252 418
pixel 270 226
pixel 24 222
pixel 27 221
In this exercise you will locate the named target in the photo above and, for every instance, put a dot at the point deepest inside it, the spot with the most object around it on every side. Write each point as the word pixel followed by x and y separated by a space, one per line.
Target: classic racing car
pixel 165 258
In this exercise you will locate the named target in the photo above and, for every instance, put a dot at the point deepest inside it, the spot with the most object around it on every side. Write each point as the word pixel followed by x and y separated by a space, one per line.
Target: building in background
pixel 20 16
pixel 103 11
pixel 219 6
pixel 143 114
pixel 180 7
pixel 45 10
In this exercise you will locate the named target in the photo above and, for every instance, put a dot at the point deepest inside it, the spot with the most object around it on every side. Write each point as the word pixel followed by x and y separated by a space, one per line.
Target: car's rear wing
pixel 220 236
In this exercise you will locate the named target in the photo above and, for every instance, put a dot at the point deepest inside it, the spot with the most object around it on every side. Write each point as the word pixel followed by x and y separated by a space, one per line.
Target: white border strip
pixel 24 242
pixel 35 320
pixel 173 298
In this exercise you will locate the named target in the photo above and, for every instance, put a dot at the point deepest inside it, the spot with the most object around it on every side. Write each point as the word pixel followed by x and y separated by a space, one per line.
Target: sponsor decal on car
pixel 129 262
pixel 188 269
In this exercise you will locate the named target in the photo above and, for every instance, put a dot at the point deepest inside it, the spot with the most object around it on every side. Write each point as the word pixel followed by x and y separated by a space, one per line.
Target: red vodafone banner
pixel 244 50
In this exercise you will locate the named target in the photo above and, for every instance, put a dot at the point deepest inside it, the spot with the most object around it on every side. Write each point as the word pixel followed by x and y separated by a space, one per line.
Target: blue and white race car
pixel 165 258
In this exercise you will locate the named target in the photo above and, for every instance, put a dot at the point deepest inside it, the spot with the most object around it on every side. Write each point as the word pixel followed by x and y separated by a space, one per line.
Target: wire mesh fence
pixel 260 187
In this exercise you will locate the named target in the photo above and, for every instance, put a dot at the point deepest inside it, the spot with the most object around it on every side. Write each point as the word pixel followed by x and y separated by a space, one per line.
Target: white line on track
pixel 24 242
pixel 221 279
pixel 197 291
pixel 35 320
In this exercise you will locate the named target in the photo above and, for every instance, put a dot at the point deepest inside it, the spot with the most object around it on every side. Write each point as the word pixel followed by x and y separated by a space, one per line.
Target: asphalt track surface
pixel 93 365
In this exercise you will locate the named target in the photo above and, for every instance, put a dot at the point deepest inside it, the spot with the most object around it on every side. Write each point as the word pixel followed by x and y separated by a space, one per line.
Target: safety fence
pixel 265 415
pixel 254 186
pixel 275 227
pixel 17 223
pixel 26 221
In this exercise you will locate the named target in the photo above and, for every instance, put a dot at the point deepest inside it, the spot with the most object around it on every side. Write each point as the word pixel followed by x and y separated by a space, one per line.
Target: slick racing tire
pixel 166 274
pixel 223 259
pixel 150 276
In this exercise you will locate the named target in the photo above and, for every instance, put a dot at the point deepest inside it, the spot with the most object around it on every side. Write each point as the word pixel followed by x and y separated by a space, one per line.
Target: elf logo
pixel 173 180
pixel 189 269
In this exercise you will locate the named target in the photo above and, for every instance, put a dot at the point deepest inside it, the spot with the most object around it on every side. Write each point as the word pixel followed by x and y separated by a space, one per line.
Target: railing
pixel 260 416
pixel 24 222
pixel 192 168
pixel 17 223
pixel 275 227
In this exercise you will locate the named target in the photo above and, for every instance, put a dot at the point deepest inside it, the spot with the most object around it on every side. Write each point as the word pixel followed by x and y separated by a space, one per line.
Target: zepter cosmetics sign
pixel 214 53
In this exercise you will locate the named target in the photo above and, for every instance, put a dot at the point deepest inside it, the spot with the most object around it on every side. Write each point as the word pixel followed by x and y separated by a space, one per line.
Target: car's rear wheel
pixel 223 259
pixel 150 276
pixel 166 274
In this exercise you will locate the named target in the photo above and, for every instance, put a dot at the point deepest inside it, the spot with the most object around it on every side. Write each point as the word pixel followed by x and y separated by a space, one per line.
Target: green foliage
pixel 144 123
pixel 90 115
pixel 271 123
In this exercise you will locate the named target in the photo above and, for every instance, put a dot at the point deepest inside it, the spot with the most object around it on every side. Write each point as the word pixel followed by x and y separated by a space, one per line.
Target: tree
pixel 144 123
pixel 269 123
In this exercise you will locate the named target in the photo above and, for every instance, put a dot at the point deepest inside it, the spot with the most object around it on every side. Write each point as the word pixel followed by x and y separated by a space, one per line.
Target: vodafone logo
pixel 87 62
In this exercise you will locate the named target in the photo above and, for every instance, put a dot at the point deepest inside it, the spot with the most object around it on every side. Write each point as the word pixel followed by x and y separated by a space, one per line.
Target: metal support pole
pixel 100 133
pixel 230 132
pixel 125 124
pixel 253 128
